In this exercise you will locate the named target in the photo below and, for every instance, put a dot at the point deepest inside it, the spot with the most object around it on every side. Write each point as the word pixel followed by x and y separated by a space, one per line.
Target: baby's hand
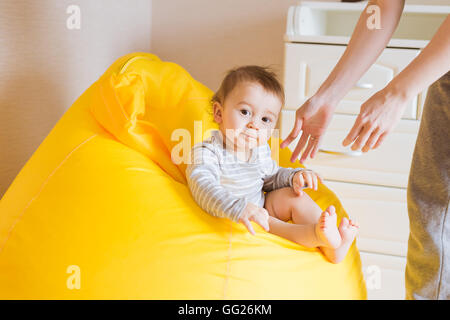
pixel 305 179
pixel 257 214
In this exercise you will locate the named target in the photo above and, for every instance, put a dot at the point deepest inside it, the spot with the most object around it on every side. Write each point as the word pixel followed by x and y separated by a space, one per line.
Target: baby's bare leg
pixel 311 228
pixel 303 234
pixel 287 205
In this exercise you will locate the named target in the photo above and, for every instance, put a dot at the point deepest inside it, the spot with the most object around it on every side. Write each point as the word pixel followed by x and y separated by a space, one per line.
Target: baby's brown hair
pixel 262 75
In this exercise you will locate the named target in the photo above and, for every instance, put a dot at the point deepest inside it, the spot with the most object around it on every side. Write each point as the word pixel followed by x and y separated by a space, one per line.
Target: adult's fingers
pixel 300 145
pixel 316 146
pixel 309 148
pixel 372 140
pixel 380 140
pixel 354 132
pixel 362 137
pixel 294 133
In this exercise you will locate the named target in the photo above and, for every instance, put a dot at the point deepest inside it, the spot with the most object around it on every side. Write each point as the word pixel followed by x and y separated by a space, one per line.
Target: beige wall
pixel 208 37
pixel 44 66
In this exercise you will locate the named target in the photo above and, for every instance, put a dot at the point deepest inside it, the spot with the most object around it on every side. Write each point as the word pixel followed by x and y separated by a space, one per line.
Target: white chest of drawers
pixel 371 186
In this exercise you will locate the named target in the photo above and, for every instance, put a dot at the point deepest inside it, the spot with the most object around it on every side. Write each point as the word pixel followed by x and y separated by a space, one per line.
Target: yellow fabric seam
pixel 40 190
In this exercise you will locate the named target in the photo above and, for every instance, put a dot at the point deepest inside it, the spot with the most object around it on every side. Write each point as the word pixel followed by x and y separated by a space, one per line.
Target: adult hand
pixel 312 119
pixel 377 118
pixel 257 214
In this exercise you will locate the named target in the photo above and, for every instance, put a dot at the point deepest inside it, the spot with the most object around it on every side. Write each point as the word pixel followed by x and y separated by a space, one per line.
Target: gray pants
pixel 428 260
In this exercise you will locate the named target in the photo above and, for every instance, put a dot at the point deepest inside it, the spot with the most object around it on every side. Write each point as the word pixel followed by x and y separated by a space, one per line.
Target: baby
pixel 231 170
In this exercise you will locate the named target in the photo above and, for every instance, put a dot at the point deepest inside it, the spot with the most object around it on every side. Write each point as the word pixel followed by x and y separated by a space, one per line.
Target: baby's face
pixel 248 116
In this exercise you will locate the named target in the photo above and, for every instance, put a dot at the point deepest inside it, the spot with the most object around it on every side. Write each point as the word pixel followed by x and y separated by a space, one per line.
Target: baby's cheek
pixel 232 135
pixel 264 135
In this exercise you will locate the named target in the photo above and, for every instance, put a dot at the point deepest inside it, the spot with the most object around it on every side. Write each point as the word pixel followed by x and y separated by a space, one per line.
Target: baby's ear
pixel 218 109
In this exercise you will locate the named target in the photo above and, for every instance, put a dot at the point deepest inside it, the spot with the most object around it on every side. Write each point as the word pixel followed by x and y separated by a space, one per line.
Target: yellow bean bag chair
pixel 101 211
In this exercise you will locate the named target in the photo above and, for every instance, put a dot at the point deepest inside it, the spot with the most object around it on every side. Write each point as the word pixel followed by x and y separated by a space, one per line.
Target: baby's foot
pixel 326 231
pixel 348 230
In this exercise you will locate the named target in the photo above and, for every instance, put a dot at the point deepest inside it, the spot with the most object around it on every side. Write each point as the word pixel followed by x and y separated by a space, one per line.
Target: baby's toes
pixel 347 230
pixel 353 224
pixel 344 224
pixel 327 232
pixel 330 215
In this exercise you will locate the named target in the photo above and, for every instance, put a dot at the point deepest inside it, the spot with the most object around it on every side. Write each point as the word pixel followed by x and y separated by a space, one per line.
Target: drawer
pixel 308 65
pixel 381 213
pixel 384 276
pixel 388 165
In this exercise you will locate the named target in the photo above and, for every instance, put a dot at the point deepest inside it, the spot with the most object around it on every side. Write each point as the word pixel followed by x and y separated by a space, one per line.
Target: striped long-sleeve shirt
pixel 222 185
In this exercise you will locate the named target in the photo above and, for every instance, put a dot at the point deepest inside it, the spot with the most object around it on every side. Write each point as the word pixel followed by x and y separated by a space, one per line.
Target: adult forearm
pixel 427 67
pixel 364 47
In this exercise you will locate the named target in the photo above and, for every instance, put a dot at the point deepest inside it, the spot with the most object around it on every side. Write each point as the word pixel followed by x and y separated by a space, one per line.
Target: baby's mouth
pixel 250 136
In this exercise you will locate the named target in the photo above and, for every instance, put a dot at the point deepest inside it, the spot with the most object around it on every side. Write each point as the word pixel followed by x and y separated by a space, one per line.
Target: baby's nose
pixel 251 125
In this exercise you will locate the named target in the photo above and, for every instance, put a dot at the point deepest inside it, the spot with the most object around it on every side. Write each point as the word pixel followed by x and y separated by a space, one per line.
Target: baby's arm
pixel 278 177
pixel 297 178
pixel 203 177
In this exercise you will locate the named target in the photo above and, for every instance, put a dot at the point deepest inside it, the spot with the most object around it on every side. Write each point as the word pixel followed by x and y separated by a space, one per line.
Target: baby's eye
pixel 266 120
pixel 245 112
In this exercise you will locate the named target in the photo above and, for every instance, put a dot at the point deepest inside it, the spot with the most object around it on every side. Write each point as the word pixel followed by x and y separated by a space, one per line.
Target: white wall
pixel 44 66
